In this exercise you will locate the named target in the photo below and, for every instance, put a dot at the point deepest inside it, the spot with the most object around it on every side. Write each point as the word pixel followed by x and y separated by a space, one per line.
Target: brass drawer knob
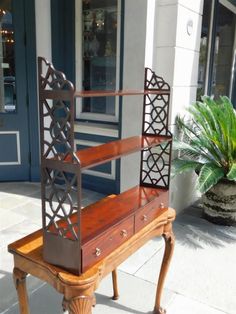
pixel 123 233
pixel 98 251
pixel 144 218
pixel 162 205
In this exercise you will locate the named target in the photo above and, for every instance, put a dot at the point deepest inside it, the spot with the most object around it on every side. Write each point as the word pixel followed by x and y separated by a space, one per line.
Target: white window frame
pixel 79 67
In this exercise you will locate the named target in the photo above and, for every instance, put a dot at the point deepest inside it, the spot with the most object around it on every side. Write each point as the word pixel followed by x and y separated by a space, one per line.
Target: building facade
pixel 106 44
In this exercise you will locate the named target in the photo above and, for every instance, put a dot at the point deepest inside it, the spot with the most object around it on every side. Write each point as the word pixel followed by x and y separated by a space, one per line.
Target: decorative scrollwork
pixel 155 162
pixel 156 106
pixel 152 81
pixel 50 78
pixel 155 166
pixel 60 186
pixel 56 112
pixel 61 203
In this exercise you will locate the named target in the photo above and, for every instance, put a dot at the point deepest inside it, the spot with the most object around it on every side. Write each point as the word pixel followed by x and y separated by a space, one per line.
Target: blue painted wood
pixel 94 138
pixel 31 62
pixel 18 121
pixel 9 144
pixel 101 185
pixel 63 36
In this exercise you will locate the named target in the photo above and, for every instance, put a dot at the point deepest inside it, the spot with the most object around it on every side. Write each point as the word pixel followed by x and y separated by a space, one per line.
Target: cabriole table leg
pixel 115 285
pixel 19 278
pixel 169 238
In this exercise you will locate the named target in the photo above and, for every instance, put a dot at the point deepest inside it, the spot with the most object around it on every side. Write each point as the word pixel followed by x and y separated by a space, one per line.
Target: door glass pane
pixel 204 42
pixel 99 53
pixel 223 54
pixel 7 59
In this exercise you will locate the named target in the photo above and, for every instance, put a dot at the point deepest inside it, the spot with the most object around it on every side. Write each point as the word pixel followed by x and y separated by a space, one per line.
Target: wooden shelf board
pixel 107 93
pixel 97 155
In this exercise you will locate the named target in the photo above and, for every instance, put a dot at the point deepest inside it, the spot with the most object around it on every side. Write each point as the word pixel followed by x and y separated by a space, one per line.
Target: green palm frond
pixel 179 166
pixel 209 175
pixel 208 136
pixel 231 175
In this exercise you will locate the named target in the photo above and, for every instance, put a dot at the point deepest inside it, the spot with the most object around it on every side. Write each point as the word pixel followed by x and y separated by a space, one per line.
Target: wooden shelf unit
pixel 76 238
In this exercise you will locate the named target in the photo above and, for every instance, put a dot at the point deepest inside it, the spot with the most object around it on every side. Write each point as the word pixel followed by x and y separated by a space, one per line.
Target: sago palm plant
pixel 208 143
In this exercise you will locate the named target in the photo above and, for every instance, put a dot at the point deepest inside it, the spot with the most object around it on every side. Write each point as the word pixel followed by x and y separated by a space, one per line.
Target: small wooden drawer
pixel 97 249
pixel 151 211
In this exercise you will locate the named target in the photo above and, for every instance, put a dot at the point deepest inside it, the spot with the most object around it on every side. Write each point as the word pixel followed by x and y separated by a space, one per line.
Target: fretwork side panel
pixel 56 96
pixel 155 162
pixel 61 201
pixel 61 183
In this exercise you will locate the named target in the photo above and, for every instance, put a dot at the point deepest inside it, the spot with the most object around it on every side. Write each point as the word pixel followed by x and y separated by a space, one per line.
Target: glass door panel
pixel 99 54
pixel 7 59
pixel 14 132
pixel 223 53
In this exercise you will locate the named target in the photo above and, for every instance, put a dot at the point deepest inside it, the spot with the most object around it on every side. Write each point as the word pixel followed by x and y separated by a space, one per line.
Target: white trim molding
pixel 101 129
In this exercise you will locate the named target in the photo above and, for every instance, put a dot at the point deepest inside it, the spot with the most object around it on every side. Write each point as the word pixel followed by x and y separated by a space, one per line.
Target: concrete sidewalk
pixel 201 280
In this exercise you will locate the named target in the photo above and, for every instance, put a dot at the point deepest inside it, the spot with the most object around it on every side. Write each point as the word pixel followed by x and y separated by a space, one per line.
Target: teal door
pixel 14 139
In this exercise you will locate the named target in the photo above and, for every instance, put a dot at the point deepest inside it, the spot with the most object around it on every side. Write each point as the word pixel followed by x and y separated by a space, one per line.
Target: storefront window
pixel 7 59
pixel 203 49
pixel 99 54
pixel 217 49
pixel 223 54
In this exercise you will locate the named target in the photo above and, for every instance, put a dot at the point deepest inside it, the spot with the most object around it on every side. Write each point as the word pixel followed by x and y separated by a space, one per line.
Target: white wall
pixel 43 34
pixel 43 28
pixel 133 78
pixel 175 54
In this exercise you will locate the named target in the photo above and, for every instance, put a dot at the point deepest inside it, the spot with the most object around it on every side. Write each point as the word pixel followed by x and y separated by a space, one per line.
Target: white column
pixel 133 78
pixel 43 31
pixel 177 31
pixel 43 28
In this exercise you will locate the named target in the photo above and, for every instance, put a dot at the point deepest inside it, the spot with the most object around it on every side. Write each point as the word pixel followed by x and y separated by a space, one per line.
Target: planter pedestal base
pixel 219 203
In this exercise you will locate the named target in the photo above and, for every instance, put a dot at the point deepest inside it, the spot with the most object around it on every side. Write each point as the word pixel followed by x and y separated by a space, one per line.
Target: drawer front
pixel 103 245
pixel 151 211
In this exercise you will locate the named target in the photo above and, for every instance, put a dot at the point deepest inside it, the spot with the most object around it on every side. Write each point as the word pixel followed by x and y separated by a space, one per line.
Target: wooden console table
pixel 78 290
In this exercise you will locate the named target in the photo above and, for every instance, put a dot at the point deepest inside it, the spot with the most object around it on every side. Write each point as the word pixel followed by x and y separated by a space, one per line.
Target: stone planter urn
pixel 219 203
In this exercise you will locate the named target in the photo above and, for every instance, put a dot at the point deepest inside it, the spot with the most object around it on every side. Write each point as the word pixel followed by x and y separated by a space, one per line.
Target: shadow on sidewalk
pixel 192 230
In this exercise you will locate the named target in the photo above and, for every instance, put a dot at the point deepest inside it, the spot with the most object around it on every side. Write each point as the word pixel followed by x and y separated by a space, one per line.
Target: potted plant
pixel 208 146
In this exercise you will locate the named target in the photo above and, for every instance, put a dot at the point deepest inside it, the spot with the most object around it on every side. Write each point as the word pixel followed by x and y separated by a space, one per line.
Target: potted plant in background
pixel 208 146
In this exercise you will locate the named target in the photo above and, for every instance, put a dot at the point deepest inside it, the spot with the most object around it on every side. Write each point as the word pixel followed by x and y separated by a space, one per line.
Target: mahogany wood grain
pixel 144 215
pixel 93 156
pixel 97 218
pixel 100 247
pixel 107 93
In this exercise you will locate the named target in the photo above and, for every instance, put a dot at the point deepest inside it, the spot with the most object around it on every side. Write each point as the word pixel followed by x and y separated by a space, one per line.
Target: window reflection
pixel 203 49
pixel 216 53
pixel 223 54
pixel 7 59
pixel 99 53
